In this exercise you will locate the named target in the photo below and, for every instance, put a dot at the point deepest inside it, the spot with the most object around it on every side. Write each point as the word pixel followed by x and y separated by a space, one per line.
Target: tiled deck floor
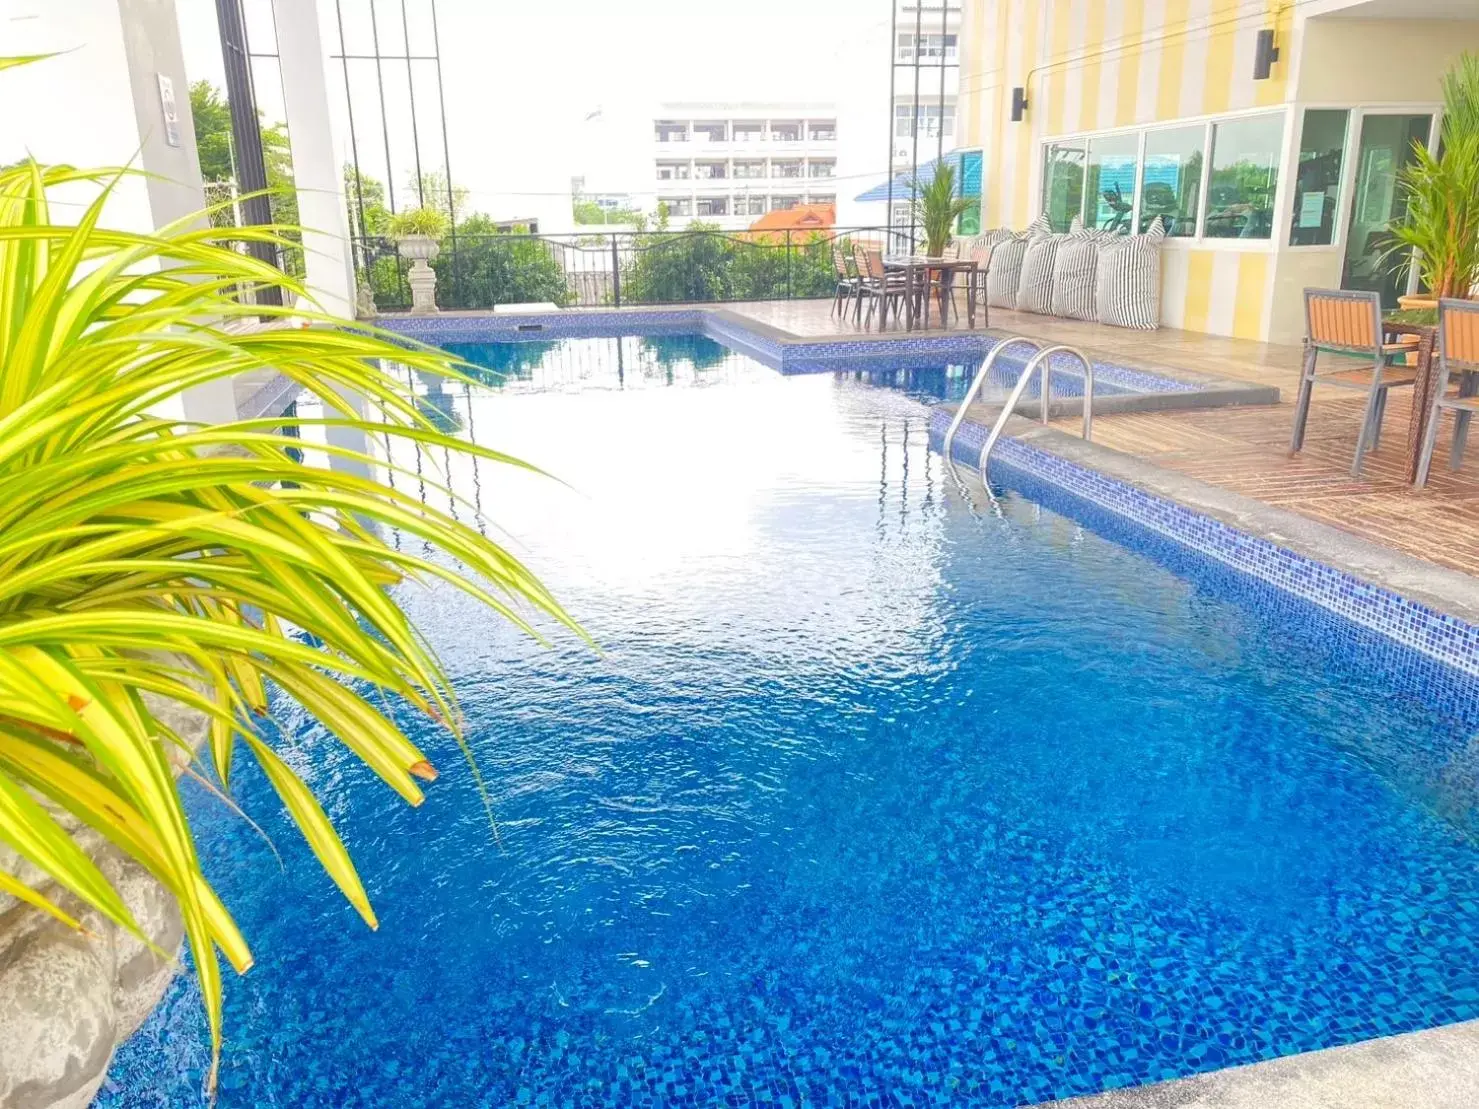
pixel 1246 449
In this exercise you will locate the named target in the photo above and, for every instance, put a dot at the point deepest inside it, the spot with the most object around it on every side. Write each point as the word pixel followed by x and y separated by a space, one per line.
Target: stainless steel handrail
pixel 1041 357
pixel 970 394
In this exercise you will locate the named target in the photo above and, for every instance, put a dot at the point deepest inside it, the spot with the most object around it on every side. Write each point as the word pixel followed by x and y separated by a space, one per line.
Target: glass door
pixel 1386 147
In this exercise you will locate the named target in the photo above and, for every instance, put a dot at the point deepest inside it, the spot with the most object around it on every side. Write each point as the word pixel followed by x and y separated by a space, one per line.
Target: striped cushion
pixel 1004 272
pixel 972 246
pixel 1129 279
pixel 1075 293
pixel 1004 277
pixel 1035 290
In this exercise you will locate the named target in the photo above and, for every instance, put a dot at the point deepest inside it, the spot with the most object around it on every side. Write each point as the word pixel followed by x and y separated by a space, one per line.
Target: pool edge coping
pixel 1434 1068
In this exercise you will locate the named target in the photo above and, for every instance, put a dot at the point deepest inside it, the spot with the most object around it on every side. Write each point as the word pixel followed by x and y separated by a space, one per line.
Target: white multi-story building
pixel 729 164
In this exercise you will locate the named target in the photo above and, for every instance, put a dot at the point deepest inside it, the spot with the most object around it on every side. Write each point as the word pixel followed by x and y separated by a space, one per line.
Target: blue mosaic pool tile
pixel 788 356
pixel 1402 626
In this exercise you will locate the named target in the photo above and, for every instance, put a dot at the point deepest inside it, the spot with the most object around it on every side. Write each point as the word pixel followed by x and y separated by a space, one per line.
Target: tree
pixel 588 211
pixel 489 266
pixel 677 267
pixel 368 212
pixel 212 118
pixel 433 194
pixel 214 147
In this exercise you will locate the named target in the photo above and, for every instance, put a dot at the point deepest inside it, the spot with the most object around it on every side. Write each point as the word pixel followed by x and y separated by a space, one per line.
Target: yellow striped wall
pixel 1095 64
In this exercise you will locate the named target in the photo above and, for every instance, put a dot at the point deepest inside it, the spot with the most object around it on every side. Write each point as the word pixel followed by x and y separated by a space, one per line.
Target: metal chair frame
pixel 1347 322
pixel 1458 353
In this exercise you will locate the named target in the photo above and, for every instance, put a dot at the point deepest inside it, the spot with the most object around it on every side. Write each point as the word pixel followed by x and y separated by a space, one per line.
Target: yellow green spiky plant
pixel 202 564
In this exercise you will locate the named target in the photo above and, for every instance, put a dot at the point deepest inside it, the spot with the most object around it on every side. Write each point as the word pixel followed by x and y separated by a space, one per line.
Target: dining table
pixel 919 272
pixel 1422 387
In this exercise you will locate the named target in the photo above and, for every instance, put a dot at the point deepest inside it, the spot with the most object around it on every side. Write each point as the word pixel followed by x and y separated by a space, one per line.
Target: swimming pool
pixel 878 789
pixel 634 362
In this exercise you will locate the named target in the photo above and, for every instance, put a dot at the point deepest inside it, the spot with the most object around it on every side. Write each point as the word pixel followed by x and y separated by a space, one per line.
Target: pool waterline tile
pixel 788 355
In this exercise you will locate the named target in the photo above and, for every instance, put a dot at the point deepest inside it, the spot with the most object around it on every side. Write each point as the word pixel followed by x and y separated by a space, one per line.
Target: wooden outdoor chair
pixel 1458 354
pixel 847 279
pixel 975 280
pixel 877 286
pixel 1348 323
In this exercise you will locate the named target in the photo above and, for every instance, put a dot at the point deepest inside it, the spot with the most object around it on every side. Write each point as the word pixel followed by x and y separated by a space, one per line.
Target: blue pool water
pixel 640 361
pixel 880 792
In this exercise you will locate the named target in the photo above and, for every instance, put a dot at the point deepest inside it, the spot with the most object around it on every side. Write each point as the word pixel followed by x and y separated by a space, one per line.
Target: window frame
pixel 1348 167
pixel 1199 240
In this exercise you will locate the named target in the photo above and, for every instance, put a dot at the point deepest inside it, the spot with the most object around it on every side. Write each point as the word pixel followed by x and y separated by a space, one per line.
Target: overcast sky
pixel 539 90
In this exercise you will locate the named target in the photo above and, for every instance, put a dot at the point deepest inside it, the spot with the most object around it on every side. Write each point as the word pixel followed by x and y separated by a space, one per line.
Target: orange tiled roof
pixel 803 217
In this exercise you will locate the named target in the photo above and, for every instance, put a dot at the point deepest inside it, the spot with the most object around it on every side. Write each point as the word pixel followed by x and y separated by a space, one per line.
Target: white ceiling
pixel 1408 9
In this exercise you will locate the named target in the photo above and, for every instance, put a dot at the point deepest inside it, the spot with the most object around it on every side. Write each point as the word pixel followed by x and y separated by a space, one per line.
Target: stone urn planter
pixel 420 249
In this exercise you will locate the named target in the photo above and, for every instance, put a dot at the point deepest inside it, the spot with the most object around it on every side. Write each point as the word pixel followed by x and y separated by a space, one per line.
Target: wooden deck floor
pixel 1246 450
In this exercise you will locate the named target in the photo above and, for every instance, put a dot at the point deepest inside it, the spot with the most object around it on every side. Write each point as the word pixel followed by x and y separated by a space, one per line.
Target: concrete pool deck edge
pixel 1437 1068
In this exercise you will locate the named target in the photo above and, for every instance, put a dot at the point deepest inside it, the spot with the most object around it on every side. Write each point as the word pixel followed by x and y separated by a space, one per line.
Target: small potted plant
pixel 936 208
pixel 1441 227
pixel 417 233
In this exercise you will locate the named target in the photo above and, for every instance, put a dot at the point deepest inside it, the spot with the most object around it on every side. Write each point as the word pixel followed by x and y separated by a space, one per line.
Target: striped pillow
pixel 1129 279
pixel 1004 272
pixel 1035 291
pixel 1075 291
pixel 976 246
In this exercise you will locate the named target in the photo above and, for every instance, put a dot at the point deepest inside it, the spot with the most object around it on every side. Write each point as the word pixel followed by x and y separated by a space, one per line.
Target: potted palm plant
pixel 150 565
pixel 936 208
pixel 1441 192
pixel 417 233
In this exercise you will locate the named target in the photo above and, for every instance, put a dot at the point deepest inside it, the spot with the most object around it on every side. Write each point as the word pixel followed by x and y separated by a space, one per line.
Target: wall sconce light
pixel 1019 103
pixel 1265 54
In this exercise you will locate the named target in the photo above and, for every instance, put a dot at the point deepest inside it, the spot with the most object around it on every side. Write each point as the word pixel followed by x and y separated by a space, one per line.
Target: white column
pixel 316 170
pixel 98 102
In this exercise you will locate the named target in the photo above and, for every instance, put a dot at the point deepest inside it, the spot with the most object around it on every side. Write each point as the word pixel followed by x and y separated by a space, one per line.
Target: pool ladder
pixel 1041 358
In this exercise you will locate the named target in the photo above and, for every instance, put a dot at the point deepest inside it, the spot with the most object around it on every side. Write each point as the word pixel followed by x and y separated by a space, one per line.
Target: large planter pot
pixel 418 248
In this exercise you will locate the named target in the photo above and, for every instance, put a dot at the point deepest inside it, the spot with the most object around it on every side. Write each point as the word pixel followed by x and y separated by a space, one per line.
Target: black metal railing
pixel 616 268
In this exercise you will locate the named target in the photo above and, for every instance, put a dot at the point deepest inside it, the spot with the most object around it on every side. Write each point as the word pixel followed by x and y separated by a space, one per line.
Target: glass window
pixel 1109 182
pixel 1172 181
pixel 968 173
pixel 1385 149
pixel 928 119
pixel 1063 183
pixel 1245 171
pixel 1317 183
